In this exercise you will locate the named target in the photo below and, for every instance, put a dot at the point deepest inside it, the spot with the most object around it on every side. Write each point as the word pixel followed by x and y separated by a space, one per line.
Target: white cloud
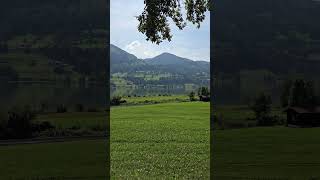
pixel 132 46
pixel 190 43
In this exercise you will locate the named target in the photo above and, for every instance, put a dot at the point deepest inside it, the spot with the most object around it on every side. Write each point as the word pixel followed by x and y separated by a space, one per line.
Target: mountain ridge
pixel 164 69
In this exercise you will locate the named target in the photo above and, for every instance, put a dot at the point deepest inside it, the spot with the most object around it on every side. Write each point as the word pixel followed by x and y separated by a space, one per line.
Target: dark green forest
pixel 261 44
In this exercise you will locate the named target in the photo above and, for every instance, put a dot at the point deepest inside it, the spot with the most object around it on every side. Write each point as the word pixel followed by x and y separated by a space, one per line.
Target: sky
pixel 191 42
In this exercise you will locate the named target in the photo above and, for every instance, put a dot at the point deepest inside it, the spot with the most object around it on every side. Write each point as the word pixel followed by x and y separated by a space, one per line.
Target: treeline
pixel 21 122
pixel 86 61
pixel 203 94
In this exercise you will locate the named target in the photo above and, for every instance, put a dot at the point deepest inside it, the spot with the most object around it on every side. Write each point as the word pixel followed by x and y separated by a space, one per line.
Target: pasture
pixel 155 99
pixel 68 160
pixel 267 153
pixel 169 140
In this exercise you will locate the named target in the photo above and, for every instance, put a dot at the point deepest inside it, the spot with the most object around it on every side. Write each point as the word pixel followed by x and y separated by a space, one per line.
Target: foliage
pixel 3 47
pixel 262 108
pixel 192 96
pixel 286 91
pixel 299 93
pixel 44 107
pixel 303 94
pixel 154 23
pixel 19 123
pixel 3 123
pixel 116 101
pixel 61 108
pixel 79 108
pixel 39 127
pixel 93 109
pixel 203 91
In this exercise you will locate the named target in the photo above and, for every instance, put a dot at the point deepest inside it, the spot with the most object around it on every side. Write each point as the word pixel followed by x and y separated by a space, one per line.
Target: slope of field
pixel 33 66
pixel 267 153
pixel 162 141
pixel 70 160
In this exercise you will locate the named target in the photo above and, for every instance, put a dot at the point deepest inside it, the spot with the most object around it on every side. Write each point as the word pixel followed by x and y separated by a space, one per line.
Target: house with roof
pixel 303 117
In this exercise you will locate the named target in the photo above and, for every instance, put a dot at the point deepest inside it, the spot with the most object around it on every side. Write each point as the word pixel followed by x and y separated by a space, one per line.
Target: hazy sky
pixel 191 42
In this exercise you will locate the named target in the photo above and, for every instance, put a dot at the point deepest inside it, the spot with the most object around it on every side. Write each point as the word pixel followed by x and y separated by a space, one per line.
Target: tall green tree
pixel 154 20
pixel 299 93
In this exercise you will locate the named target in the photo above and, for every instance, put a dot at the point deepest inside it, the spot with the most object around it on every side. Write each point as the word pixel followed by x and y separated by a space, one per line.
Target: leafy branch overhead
pixel 154 20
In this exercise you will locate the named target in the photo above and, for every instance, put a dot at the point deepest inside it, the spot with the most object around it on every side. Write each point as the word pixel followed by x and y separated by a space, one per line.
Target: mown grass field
pixel 267 153
pixel 170 141
pixel 69 160
pixel 155 99
pixel 163 141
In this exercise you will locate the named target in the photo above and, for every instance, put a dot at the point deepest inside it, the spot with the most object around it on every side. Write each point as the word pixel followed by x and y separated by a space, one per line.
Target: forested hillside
pixel 53 40
pixel 163 70
pixel 261 44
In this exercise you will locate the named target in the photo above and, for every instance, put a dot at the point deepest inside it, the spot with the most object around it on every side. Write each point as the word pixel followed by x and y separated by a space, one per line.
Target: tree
pixel 302 94
pixel 3 123
pixel 117 100
pixel 192 96
pixel 4 48
pixel 19 123
pixel 153 21
pixel 203 91
pixel 286 91
pixel 262 108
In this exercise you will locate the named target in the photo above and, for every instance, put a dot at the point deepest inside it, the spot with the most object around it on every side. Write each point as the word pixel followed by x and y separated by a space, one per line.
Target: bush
pixel 20 122
pixel 3 124
pixel 98 128
pixel 220 121
pixel 267 121
pixel 61 108
pixel 262 108
pixel 79 108
pixel 116 101
pixel 192 96
pixel 93 109
pixel 44 107
pixel 42 126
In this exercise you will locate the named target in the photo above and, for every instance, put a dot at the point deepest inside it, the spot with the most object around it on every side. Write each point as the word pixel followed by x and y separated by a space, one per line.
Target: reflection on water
pixel 50 95
pixel 150 90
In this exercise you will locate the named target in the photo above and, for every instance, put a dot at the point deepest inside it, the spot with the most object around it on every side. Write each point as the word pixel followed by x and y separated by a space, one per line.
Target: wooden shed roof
pixel 303 110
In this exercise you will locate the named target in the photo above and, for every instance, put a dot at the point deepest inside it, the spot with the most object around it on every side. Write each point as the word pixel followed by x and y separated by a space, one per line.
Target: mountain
pixel 163 69
pixel 122 61
pixel 176 64
pixel 119 56
pixel 169 59
pixel 165 61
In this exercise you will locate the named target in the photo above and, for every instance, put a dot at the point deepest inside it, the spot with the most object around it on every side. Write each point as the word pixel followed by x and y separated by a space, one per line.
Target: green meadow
pixel 267 153
pixel 68 160
pixel 171 141
pixel 155 99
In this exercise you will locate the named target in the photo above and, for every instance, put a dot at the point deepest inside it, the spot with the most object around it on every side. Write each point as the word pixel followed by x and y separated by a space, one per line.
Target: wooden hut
pixel 303 117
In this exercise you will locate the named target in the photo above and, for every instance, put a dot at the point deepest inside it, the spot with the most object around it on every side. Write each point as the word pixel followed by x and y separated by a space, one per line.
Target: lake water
pixel 52 95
